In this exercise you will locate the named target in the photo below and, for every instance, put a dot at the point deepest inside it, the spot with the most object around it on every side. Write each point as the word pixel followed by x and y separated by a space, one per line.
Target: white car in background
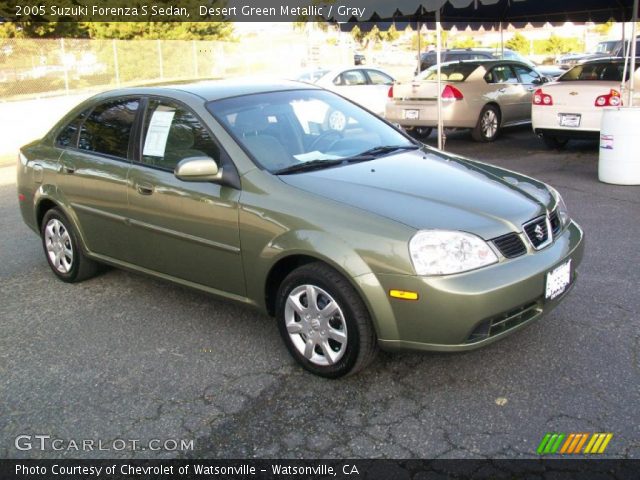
pixel 572 106
pixel 366 86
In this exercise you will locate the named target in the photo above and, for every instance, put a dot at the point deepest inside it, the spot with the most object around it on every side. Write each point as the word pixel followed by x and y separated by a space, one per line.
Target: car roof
pixel 491 51
pixel 210 90
pixel 486 63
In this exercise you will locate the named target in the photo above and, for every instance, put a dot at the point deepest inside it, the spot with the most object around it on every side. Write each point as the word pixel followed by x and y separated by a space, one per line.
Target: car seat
pixel 251 126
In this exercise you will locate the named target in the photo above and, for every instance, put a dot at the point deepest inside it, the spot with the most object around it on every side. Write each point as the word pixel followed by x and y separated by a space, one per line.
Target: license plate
pixel 558 280
pixel 412 114
pixel 570 120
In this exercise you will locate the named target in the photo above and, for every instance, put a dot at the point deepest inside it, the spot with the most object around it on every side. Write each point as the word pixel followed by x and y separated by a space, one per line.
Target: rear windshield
pixel 596 72
pixel 455 72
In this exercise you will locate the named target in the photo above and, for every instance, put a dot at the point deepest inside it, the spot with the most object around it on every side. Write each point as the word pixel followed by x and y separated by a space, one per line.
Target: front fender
pixel 334 252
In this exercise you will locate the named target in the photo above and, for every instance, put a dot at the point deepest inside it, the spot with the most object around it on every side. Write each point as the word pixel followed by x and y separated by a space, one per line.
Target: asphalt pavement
pixel 123 356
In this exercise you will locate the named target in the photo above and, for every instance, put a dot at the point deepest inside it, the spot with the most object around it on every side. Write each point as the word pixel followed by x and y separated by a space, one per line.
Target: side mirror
pixel 198 169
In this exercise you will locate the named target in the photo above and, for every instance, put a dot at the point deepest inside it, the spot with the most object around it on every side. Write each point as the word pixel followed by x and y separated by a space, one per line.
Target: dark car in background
pixel 608 48
pixel 359 59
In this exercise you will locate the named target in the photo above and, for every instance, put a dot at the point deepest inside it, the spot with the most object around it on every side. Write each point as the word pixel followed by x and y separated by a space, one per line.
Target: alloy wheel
pixel 58 245
pixel 316 325
pixel 489 124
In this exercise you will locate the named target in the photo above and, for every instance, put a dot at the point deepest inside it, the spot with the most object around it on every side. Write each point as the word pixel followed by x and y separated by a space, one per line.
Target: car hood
pixel 424 190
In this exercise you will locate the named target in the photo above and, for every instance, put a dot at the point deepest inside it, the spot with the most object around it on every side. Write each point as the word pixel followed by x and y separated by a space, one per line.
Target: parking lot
pixel 129 357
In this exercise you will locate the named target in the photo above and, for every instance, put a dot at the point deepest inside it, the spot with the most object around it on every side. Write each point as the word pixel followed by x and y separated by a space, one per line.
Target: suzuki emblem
pixel 539 232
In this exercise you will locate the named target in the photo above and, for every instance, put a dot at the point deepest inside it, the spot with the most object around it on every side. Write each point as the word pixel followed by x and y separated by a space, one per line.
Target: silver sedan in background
pixel 484 96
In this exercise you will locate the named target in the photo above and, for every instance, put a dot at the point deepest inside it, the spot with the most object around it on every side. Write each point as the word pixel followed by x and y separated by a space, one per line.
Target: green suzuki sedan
pixel 293 200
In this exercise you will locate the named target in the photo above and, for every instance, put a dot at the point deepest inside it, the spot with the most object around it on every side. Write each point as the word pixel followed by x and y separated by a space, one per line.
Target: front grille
pixel 504 322
pixel 537 232
pixel 510 245
pixel 555 222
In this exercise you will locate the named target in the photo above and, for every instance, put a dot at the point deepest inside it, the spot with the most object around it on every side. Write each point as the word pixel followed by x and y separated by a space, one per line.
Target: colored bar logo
pixel 573 443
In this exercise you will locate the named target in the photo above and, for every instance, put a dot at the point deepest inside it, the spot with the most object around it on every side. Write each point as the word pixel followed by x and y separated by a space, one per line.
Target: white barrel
pixel 620 146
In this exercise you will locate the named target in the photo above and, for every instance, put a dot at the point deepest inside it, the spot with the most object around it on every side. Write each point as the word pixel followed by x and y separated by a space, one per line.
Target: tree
pixel 160 30
pixel 558 45
pixel 519 43
pixel 465 42
pixel 374 36
pixel 603 29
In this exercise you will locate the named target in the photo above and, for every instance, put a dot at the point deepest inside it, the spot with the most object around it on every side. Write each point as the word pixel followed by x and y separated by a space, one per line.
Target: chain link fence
pixel 43 67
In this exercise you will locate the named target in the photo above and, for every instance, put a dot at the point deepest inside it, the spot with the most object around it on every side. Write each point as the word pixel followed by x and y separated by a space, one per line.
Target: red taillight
pixel 390 92
pixel 451 94
pixel 613 99
pixel 541 98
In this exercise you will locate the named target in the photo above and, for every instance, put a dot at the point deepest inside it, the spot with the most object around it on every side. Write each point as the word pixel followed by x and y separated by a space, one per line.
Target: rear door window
pixel 107 129
pixel 502 74
pixel 350 78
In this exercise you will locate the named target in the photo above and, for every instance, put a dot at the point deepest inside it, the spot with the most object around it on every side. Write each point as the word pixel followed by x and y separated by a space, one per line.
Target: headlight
pixel 563 213
pixel 442 252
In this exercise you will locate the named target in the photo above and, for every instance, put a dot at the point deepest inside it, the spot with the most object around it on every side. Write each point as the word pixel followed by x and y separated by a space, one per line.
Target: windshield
pixel 611 72
pixel 452 72
pixel 291 128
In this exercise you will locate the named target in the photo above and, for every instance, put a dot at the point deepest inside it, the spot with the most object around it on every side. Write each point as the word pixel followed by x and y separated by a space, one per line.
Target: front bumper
pixel 472 309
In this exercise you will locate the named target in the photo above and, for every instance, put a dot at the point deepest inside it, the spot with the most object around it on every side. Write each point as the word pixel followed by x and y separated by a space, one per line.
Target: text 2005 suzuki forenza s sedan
pixel 294 200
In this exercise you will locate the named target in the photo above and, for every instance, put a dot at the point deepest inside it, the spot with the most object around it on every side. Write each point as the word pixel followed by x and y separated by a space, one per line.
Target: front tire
pixel 488 127
pixel 324 322
pixel 62 249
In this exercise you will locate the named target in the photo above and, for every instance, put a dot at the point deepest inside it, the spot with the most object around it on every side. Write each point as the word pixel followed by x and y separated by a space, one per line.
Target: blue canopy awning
pixel 485 13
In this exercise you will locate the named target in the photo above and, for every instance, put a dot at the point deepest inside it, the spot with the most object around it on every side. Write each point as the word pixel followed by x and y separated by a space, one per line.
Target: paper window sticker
pixel 155 143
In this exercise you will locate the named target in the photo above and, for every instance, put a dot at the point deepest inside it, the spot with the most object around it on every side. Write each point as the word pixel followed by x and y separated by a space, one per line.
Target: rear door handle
pixel 68 169
pixel 144 188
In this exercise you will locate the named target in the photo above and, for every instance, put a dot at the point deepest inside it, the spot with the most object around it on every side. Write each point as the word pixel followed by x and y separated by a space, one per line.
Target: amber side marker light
pixel 403 294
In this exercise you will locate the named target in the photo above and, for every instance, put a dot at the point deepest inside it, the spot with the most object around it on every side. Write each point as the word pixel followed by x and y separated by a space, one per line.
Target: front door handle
pixel 68 169
pixel 144 188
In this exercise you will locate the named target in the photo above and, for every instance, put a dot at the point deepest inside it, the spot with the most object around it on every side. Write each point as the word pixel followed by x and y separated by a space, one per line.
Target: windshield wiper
pixel 361 157
pixel 308 166
pixel 379 151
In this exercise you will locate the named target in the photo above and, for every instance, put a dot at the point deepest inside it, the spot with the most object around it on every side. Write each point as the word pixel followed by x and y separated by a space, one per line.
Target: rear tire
pixel 488 127
pixel 554 143
pixel 324 323
pixel 62 249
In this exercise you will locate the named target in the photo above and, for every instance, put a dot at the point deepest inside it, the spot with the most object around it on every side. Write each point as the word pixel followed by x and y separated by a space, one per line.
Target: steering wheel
pixel 324 137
